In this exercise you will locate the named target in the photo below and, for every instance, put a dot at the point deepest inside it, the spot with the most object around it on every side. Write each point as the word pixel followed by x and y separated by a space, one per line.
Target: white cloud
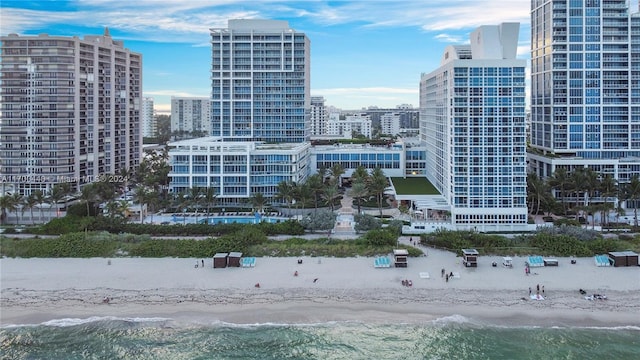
pixel 451 39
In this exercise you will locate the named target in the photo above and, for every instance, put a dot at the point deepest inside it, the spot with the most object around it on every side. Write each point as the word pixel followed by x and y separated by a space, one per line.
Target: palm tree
pixel 17 199
pixel 286 192
pixel 536 192
pixel 377 184
pixel 336 171
pixel 358 192
pixel 258 202
pixel 608 188
pixel 7 205
pixel 39 198
pixel 632 192
pixel 210 198
pixel 330 193
pixel 56 194
pixel 143 198
pixel 29 203
pixel 88 195
pixel 560 182
pixel 360 174
pixel 317 187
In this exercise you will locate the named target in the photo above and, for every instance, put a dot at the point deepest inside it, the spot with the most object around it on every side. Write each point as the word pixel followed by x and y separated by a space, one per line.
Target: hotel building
pixel 260 84
pixel 149 125
pixel 472 119
pixel 191 114
pixel 585 87
pixel 319 116
pixel 70 110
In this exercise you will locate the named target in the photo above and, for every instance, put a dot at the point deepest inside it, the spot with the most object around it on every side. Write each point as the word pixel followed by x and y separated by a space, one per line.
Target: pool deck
pixel 192 218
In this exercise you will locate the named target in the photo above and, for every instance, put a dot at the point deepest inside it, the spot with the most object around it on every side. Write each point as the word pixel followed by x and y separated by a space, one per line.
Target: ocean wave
pixel 66 322
pixel 452 319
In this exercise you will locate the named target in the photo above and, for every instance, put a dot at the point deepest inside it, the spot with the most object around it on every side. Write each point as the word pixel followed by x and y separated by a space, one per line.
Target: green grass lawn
pixel 413 186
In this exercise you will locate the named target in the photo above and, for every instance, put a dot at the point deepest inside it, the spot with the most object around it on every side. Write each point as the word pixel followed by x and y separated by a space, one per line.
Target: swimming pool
pixel 212 220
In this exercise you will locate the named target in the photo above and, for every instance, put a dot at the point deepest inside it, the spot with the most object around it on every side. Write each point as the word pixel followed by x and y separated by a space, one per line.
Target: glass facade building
pixel 585 93
pixel 260 75
pixel 472 119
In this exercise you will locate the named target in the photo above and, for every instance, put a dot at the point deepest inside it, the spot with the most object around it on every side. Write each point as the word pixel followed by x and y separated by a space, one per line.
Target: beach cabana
pixel 507 261
pixel 623 258
pixel 220 260
pixel 550 262
pixel 233 260
pixel 470 257
pixel 400 257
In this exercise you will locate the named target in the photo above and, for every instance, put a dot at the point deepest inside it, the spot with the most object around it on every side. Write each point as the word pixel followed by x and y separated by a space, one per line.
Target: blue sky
pixel 363 53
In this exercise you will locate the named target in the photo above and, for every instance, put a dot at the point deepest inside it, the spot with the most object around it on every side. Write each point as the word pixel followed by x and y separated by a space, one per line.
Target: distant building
pixel 70 110
pixel 349 126
pixel 190 114
pixel 260 80
pixel 390 124
pixel 319 116
pixel 472 115
pixel 149 124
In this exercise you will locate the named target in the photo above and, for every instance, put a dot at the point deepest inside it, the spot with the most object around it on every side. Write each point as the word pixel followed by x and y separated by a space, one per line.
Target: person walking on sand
pixel 202 263
pixel 442 272
pixel 447 277
pixel 538 288
pixel 529 290
pixel 542 289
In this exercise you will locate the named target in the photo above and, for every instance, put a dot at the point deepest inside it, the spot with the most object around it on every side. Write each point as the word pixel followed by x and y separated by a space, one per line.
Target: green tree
pixel 89 196
pixel 30 202
pixel 365 222
pixel 56 194
pixel 317 186
pixel 258 202
pixel 359 192
pixel 608 189
pixel 337 170
pixel 330 194
pixel 377 184
pixel 560 182
pixel 287 192
pixel 632 192
pixel 40 199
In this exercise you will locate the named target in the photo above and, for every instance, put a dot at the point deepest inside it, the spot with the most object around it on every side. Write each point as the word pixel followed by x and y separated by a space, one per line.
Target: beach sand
pixel 346 289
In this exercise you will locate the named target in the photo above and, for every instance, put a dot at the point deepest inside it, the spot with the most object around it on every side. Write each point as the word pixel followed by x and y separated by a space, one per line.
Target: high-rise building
pixel 70 110
pixel 585 87
pixel 319 116
pixel 472 119
pixel 390 124
pixel 260 82
pixel 149 126
pixel 191 114
pixel 348 126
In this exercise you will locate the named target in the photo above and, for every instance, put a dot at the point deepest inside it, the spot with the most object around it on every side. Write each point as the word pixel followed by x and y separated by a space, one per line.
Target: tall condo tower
pixel 70 110
pixel 189 114
pixel 472 119
pixel 585 87
pixel 260 82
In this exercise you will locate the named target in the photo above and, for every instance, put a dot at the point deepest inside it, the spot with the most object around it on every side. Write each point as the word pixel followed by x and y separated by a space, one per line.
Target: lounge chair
pixel 456 275
pixel 424 275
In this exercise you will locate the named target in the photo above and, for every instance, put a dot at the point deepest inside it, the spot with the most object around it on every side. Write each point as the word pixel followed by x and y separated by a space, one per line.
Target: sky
pixel 363 53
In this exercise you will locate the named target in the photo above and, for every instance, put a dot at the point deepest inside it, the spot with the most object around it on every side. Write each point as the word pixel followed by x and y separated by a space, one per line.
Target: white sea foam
pixel 77 321
pixel 452 319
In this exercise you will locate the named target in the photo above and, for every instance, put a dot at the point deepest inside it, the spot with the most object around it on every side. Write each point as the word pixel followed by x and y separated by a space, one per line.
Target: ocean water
pixel 453 337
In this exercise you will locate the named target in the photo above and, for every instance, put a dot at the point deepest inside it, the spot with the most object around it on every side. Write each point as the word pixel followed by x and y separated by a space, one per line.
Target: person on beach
pixel 447 277
pixel 542 289
pixel 538 288
pixel 203 263
pixel 295 273
pixel 442 272
pixel 529 290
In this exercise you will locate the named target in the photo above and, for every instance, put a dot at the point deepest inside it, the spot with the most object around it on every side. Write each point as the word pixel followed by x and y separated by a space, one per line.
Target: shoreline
pixel 327 289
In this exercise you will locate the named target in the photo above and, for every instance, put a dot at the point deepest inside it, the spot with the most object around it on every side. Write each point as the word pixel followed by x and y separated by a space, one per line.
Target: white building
pixel 149 125
pixel 350 125
pixel 585 87
pixel 70 110
pixel 319 116
pixel 191 114
pixel 390 124
pixel 472 118
pixel 260 80
pixel 236 170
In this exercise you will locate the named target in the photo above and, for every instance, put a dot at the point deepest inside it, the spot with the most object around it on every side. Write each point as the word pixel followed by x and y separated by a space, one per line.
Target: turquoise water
pixel 452 337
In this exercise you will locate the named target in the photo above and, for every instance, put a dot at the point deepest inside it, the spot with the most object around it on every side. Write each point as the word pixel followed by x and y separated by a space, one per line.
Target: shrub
pixel 381 238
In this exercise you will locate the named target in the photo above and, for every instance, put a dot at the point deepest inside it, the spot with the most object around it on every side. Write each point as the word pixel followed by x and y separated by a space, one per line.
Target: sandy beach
pixel 350 289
